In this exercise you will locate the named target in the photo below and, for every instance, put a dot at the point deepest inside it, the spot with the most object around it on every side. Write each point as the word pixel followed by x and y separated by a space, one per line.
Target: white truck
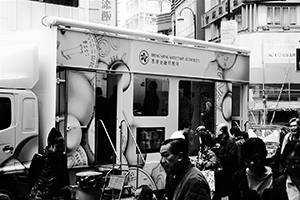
pixel 49 76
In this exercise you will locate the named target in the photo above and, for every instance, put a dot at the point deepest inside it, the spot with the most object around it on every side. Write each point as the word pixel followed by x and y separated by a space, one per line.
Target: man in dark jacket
pixel 184 181
pixel 53 177
pixel 228 157
pixel 256 179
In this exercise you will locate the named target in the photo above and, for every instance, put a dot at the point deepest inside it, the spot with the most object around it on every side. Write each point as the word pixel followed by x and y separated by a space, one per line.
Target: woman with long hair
pixel 206 159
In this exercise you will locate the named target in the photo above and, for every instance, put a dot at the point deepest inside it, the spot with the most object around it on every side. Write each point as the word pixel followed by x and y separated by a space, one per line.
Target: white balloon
pixel 80 97
pixel 74 134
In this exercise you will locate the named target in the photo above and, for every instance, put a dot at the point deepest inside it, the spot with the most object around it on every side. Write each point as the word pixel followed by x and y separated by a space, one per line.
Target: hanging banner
pixel 229 32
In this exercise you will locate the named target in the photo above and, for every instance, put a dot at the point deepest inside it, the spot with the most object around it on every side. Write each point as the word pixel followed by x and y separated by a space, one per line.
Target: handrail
pixel 132 136
pixel 50 21
pixel 112 145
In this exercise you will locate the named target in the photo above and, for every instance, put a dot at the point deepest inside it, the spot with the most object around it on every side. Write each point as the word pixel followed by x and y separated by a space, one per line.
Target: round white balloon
pixel 80 97
pixel 74 134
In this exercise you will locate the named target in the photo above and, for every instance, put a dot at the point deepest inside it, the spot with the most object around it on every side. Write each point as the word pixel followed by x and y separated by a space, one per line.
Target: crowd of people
pixel 239 163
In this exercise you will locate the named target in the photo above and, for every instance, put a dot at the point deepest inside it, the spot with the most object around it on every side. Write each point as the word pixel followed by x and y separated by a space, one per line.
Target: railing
pixel 119 158
pixel 112 145
pixel 133 138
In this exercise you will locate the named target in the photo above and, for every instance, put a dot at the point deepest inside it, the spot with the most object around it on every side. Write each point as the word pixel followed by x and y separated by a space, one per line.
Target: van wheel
pixel 8 191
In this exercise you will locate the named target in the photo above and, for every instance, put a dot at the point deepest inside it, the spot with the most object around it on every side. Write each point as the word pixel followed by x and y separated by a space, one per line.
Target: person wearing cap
pixel 294 133
pixel 52 178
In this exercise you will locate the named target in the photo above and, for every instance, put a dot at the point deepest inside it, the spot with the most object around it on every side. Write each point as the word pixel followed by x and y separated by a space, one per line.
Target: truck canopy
pixel 19 66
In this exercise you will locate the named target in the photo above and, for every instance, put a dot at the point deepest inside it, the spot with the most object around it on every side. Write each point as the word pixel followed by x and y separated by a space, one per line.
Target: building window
pixel 281 15
pixel 73 3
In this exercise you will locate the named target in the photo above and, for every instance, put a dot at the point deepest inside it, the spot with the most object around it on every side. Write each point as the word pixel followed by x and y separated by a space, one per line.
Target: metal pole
pixel 228 9
pixel 195 26
pixel 174 28
pixel 194 20
pixel 263 74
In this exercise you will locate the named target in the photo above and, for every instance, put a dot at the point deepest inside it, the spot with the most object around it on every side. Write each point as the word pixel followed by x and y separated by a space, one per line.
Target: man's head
pixel 174 152
pixel 254 153
pixel 204 95
pixel 185 126
pixel 200 129
pixel 152 87
pixel 56 141
pixel 235 132
pixel 290 159
pixel 222 131
pixel 99 91
pixel 294 124
pixel 181 92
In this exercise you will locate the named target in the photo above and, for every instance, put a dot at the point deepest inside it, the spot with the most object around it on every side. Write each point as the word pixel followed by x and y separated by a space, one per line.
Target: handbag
pixel 210 177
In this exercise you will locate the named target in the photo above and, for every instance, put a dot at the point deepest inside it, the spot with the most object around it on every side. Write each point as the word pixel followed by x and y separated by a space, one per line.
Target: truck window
pixel 29 115
pixel 150 96
pixel 5 110
pixel 149 139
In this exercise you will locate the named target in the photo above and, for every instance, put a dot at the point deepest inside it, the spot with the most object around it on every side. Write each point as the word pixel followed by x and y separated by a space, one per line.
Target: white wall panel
pixel 38 12
pixel 65 12
pixel 95 11
pixel 75 13
pixel 84 14
pixel 52 9
pixel 95 4
pixel 8 10
pixel 23 15
pixel 27 14
pixel 95 16
pixel 84 10
pixel 298 15
pixel 262 15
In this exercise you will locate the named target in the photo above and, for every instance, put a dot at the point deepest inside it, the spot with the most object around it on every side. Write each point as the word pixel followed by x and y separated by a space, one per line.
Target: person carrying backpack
pixel 48 173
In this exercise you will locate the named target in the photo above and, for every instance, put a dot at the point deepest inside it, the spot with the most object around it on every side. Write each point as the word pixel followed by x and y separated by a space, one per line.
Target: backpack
pixel 35 168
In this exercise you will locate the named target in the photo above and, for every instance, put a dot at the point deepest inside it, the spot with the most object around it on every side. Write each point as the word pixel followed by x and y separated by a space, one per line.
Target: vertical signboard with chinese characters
pixel 109 12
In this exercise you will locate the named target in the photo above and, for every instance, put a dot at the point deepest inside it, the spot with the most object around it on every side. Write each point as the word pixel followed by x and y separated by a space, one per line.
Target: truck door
pixel 108 112
pixel 7 131
pixel 85 99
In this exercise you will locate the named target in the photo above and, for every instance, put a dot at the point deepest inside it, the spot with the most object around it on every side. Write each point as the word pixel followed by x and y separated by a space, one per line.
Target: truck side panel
pixel 45 88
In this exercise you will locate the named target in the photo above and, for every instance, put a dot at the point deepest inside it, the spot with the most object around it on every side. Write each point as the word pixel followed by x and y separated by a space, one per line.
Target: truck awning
pixel 272 105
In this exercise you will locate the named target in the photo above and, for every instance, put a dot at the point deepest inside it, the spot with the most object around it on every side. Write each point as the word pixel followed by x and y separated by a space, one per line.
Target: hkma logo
pixel 144 57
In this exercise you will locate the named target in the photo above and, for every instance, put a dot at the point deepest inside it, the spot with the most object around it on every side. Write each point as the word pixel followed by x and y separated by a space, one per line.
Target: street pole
pixel 194 20
pixel 228 10
pixel 195 25
pixel 264 99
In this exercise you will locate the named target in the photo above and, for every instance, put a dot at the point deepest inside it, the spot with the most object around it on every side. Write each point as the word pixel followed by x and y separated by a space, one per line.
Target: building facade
pixel 142 14
pixel 27 14
pixel 186 18
pixel 271 30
